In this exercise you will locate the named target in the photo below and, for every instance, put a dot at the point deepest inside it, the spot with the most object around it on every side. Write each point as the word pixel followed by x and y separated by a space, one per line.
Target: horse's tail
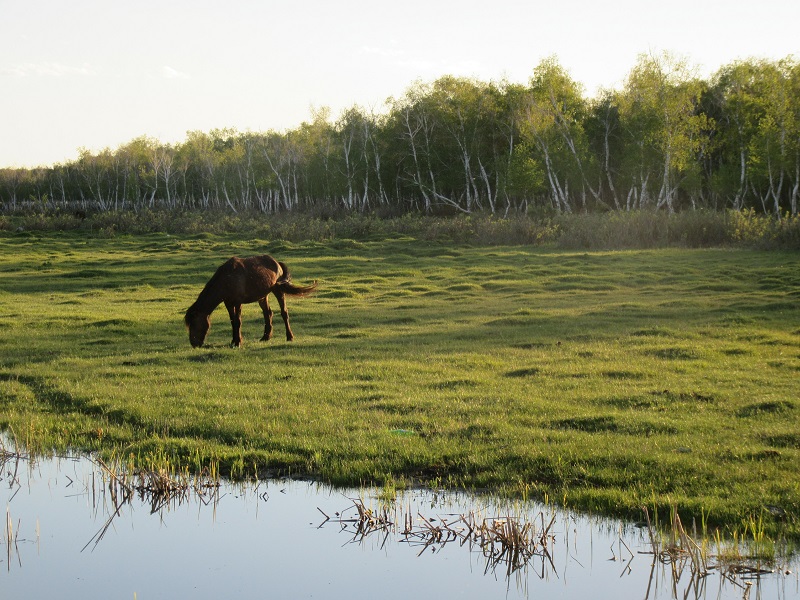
pixel 297 290
pixel 285 284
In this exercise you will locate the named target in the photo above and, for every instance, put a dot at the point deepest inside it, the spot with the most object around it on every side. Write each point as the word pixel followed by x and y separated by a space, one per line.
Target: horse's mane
pixel 206 296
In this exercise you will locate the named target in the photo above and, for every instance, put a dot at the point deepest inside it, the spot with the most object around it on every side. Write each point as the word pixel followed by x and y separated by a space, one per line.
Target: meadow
pixel 604 380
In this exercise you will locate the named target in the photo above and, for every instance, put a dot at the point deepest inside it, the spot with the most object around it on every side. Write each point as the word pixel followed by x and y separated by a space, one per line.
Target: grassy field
pixel 604 380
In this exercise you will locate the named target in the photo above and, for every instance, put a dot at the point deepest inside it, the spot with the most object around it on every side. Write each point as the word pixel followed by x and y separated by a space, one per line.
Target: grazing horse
pixel 241 281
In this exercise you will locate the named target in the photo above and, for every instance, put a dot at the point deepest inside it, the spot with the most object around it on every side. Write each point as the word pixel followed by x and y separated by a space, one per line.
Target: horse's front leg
pixel 264 304
pixel 284 314
pixel 235 313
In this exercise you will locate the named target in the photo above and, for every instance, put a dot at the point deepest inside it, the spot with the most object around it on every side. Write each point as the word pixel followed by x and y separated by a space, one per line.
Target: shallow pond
pixel 71 532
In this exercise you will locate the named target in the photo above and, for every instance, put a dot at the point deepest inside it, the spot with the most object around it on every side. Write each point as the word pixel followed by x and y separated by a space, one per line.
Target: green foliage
pixel 607 380
pixel 663 129
pixel 667 140
pixel 552 131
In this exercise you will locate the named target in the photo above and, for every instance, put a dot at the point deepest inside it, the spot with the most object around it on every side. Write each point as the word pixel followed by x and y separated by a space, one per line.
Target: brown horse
pixel 241 281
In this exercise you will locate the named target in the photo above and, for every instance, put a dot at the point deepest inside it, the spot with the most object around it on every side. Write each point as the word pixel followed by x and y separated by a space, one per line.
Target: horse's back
pixel 250 264
pixel 249 279
pixel 265 261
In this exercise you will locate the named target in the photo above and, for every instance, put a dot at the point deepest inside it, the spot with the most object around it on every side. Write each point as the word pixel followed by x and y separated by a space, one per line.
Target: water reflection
pixel 76 528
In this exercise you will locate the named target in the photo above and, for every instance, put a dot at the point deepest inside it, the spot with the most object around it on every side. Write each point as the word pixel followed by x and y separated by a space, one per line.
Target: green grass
pixel 605 380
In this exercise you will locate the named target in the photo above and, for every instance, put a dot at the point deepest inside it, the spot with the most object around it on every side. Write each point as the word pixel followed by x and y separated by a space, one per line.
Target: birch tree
pixel 552 124
pixel 793 76
pixel 604 132
pixel 352 131
pixel 658 112
pixel 200 160
pixel 771 147
pixel 734 106
pixel 281 155
pixel 417 127
pixel 314 147
pixel 463 107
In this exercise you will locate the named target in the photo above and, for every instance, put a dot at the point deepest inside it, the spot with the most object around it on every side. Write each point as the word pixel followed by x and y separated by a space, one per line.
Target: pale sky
pixel 98 73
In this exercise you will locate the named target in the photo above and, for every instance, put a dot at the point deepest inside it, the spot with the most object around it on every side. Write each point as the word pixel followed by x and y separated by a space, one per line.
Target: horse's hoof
pixel 266 338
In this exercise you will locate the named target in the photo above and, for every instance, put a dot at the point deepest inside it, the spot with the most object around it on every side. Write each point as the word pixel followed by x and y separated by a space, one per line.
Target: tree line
pixel 666 140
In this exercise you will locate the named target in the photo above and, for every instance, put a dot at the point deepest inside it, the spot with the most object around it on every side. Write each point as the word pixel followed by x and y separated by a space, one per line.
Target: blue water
pixel 270 540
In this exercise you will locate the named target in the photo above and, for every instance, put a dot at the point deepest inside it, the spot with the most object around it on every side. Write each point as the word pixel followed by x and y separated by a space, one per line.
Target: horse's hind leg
pixel 284 314
pixel 264 304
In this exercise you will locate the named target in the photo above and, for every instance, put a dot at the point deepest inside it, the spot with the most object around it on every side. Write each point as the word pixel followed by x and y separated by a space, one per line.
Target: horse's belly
pixel 253 297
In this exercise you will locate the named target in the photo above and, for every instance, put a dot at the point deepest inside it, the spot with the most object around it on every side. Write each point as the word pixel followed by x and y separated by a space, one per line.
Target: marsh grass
pixel 515 540
pixel 604 379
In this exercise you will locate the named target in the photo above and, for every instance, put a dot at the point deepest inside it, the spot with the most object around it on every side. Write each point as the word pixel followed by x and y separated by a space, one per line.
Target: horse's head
pixel 198 325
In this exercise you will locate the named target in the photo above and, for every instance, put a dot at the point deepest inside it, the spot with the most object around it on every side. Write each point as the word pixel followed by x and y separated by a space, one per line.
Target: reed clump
pixel 739 560
pixel 507 541
pixel 160 487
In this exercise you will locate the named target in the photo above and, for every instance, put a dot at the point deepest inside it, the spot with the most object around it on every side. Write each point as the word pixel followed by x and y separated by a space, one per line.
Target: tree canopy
pixel 666 140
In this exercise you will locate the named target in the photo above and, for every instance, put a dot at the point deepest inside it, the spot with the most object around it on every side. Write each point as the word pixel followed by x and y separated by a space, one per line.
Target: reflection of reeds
pixel 159 487
pixel 680 553
pixel 11 539
pixel 365 522
pixel 507 542
pixel 682 561
pixel 7 456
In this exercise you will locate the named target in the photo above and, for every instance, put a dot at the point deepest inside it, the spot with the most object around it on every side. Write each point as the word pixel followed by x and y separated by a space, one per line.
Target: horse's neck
pixel 207 301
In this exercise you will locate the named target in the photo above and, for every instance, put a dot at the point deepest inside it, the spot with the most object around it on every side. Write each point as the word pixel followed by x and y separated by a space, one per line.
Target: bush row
pixel 591 231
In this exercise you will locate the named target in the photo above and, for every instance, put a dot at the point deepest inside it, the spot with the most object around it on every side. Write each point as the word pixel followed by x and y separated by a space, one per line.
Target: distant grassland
pixel 605 380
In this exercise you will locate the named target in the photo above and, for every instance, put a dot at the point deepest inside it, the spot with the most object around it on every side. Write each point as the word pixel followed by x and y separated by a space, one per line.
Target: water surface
pixel 71 537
